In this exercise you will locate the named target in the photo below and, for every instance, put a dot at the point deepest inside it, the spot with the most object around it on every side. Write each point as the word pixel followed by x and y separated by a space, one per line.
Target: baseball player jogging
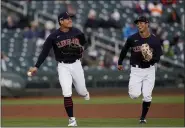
pixel 145 53
pixel 68 45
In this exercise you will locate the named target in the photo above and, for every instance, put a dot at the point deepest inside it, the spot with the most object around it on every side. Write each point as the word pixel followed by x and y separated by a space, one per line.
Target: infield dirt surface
pixel 95 110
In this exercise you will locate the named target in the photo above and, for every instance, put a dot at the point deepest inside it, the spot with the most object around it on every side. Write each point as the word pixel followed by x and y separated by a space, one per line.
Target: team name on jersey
pixel 136 48
pixel 68 42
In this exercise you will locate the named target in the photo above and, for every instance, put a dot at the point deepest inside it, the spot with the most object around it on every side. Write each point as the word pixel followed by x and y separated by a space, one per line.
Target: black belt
pixel 67 61
pixel 141 66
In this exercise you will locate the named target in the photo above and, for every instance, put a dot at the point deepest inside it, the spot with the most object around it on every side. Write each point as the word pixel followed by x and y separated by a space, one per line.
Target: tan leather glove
pixel 146 52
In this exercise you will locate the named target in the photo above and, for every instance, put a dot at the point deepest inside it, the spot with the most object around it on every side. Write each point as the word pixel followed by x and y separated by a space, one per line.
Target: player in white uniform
pixel 142 76
pixel 68 44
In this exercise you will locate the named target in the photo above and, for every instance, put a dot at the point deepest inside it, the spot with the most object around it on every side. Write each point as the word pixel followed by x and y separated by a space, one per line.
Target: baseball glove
pixel 146 52
pixel 73 49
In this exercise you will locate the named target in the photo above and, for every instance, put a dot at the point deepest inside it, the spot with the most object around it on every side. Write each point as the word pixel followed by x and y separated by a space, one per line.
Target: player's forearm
pixel 86 45
pixel 156 59
pixel 84 42
pixel 157 55
pixel 43 54
pixel 122 56
pixel 45 51
pixel 41 58
pixel 124 51
pixel 82 39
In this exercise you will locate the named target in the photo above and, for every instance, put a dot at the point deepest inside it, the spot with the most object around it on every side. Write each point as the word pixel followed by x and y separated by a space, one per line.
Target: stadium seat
pixel 23 53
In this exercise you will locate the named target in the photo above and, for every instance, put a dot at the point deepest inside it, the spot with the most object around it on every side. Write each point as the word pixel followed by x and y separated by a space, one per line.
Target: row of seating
pixel 106 7
pixel 102 8
pixel 23 53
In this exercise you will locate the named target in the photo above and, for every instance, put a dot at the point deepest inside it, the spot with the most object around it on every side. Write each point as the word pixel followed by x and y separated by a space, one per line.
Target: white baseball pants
pixel 72 73
pixel 142 81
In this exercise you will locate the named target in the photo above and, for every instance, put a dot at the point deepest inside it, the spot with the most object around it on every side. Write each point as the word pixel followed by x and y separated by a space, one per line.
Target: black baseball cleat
pixel 142 121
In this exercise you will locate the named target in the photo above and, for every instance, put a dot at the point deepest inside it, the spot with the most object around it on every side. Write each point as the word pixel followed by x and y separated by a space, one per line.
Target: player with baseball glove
pixel 145 53
pixel 68 43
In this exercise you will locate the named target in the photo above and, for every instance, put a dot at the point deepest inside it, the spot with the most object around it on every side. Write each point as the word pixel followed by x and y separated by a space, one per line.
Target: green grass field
pixel 56 122
pixel 88 122
pixel 96 100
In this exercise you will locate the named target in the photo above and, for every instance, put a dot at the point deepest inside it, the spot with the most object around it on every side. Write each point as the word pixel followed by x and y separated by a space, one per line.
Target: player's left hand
pixel 120 67
pixel 146 52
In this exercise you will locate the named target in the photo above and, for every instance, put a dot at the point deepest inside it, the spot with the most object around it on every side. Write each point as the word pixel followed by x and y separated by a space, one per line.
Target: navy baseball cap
pixel 141 19
pixel 64 15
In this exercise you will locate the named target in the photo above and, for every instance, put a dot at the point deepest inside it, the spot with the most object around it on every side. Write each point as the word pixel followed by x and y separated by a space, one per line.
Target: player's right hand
pixel 32 71
pixel 120 67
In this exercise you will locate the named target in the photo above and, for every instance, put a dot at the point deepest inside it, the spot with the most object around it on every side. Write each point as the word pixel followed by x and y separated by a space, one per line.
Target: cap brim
pixel 71 15
pixel 136 21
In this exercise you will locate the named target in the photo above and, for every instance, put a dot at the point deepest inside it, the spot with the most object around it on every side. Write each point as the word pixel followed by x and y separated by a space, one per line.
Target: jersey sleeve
pixel 82 39
pixel 124 51
pixel 157 52
pixel 45 51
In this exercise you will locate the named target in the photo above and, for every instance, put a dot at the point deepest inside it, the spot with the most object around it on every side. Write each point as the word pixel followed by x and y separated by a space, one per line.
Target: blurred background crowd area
pixel 106 24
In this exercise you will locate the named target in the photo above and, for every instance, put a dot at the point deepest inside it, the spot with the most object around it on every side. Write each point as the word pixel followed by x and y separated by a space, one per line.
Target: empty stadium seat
pixel 23 53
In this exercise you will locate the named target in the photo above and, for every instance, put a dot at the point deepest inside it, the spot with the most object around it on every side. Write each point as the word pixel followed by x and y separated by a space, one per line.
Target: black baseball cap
pixel 64 15
pixel 142 19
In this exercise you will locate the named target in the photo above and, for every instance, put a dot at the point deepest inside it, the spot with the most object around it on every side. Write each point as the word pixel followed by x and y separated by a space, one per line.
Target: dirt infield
pixel 94 111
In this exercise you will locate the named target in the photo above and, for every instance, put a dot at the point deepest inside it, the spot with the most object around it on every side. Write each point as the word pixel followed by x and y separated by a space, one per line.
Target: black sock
pixel 68 104
pixel 145 108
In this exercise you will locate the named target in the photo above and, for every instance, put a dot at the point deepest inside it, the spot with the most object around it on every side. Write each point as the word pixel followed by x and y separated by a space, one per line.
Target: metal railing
pixel 16 7
pixel 43 16
pixel 116 43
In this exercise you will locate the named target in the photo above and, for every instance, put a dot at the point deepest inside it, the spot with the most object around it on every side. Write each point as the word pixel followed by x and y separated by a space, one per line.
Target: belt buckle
pixel 151 65
pixel 135 65
pixel 69 62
